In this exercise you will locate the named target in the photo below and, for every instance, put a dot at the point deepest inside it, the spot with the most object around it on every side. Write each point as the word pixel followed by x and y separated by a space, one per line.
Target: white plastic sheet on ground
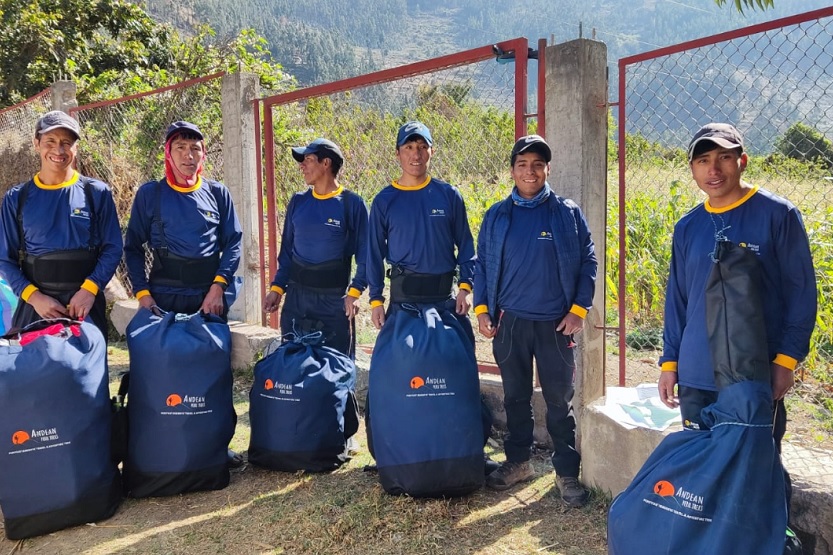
pixel 639 407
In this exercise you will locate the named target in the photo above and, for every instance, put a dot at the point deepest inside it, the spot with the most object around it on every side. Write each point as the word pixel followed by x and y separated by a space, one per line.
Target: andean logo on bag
pixel 43 436
pixel 186 404
pixel 269 384
pixel 20 437
pixel 428 387
pixel 664 488
pixel 679 501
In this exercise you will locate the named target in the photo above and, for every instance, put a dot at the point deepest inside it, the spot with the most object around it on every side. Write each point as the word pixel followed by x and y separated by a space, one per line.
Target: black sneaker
pixel 572 492
pixel 509 474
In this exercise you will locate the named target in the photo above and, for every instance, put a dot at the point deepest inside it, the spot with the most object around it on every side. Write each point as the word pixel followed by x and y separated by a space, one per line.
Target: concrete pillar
pixel 63 95
pixel 576 129
pixel 240 153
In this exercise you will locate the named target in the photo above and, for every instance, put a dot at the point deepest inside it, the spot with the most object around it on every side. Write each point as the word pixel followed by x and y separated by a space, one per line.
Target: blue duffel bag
pixel 179 403
pixel 425 426
pixel 55 466
pixel 297 406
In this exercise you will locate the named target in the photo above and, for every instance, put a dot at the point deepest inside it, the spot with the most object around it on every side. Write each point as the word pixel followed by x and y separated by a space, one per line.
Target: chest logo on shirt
pixel 545 236
pixel 332 222
pixel 751 247
pixel 438 212
pixel 80 213
pixel 211 216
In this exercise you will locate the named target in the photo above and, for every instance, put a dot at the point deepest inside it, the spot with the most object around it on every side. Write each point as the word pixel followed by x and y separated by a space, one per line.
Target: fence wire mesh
pixel 777 88
pixel 17 128
pixel 123 139
pixel 469 110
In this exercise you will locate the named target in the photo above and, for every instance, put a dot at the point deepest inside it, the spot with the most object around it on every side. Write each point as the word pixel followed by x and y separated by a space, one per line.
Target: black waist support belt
pixel 333 275
pixel 412 287
pixel 178 271
pixel 63 270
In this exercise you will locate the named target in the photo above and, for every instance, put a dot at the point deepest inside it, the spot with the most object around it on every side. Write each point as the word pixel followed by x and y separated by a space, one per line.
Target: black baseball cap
pixel 721 134
pixel 318 146
pixel 531 143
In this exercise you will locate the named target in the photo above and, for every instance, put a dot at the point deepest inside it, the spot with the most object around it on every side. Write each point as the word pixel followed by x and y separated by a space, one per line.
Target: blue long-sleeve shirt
pixel 198 222
pixel 423 229
pixel 57 217
pixel 772 228
pixel 574 254
pixel 320 229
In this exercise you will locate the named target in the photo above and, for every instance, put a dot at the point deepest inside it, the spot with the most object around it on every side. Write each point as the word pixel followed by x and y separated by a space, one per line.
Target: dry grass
pixel 343 512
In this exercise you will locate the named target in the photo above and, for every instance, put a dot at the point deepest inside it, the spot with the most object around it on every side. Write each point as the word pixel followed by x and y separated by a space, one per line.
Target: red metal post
pixel 521 59
pixel 623 247
pixel 542 87
pixel 271 216
pixel 264 280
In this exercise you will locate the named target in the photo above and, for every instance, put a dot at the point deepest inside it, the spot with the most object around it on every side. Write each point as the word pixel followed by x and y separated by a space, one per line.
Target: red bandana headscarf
pixel 176 177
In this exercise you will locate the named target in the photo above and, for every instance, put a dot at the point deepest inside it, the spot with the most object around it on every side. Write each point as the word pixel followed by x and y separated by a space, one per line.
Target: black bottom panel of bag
pixel 294 461
pixel 442 478
pixel 98 505
pixel 163 484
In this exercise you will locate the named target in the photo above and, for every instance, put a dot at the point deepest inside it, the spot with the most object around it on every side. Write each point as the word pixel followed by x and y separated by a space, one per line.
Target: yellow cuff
pixel 142 293
pixel 669 366
pixel 90 286
pixel 464 286
pixel 481 309
pixel 786 361
pixel 220 279
pixel 28 292
pixel 353 292
pixel 579 311
pixel 374 304
pixel 276 289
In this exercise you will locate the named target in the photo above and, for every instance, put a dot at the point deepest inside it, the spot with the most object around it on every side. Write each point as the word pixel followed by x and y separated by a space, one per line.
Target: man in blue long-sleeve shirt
pixel 190 225
pixel 325 229
pixel 61 241
pixel 533 285
pixel 418 225
pixel 767 225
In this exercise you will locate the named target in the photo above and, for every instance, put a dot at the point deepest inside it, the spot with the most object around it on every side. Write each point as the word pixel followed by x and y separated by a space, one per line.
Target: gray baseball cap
pixel 57 120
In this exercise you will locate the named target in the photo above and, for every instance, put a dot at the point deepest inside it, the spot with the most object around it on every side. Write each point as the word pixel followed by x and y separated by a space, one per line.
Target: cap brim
pixel 725 143
pixel 54 127
pixel 407 138
pixel 298 152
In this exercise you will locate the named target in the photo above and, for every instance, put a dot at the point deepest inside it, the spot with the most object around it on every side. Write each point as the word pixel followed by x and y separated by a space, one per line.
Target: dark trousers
pixel 25 313
pixel 308 310
pixel 694 400
pixel 517 342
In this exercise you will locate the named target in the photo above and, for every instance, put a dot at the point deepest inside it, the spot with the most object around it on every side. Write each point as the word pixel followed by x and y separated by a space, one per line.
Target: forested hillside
pixel 332 39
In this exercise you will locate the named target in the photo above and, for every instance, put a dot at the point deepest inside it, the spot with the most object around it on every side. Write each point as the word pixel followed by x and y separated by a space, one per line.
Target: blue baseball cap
pixel 318 146
pixel 178 127
pixel 413 128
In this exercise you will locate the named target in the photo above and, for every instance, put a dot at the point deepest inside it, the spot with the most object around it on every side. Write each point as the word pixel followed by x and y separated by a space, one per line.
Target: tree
pixel 42 39
pixel 807 144
pixel 739 4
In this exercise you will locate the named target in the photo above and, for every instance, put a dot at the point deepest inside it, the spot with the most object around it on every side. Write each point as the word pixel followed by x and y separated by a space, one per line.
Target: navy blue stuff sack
pixel 55 465
pixel 425 409
pixel 297 405
pixel 179 402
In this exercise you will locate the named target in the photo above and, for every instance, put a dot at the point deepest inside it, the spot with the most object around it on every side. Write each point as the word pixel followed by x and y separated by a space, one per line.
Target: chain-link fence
pixel 470 107
pixel 17 129
pixel 775 83
pixel 123 139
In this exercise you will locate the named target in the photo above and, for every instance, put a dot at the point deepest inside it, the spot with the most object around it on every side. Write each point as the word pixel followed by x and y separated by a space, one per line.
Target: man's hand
pixel 667 382
pixel 46 306
pixel 271 301
pixel 484 325
pixel 80 304
pixel 463 304
pixel 213 301
pixel 782 381
pixel 351 306
pixel 571 324
pixel 377 314
pixel 149 303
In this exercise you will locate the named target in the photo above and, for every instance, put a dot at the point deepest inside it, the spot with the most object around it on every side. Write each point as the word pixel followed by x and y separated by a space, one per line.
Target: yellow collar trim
pixel 328 195
pixel 414 188
pixel 735 204
pixel 191 189
pixel 66 183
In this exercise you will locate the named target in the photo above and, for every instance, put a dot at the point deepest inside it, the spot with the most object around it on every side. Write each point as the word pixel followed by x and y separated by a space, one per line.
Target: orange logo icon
pixel 269 384
pixel 664 488
pixel 173 400
pixel 417 382
pixel 20 437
